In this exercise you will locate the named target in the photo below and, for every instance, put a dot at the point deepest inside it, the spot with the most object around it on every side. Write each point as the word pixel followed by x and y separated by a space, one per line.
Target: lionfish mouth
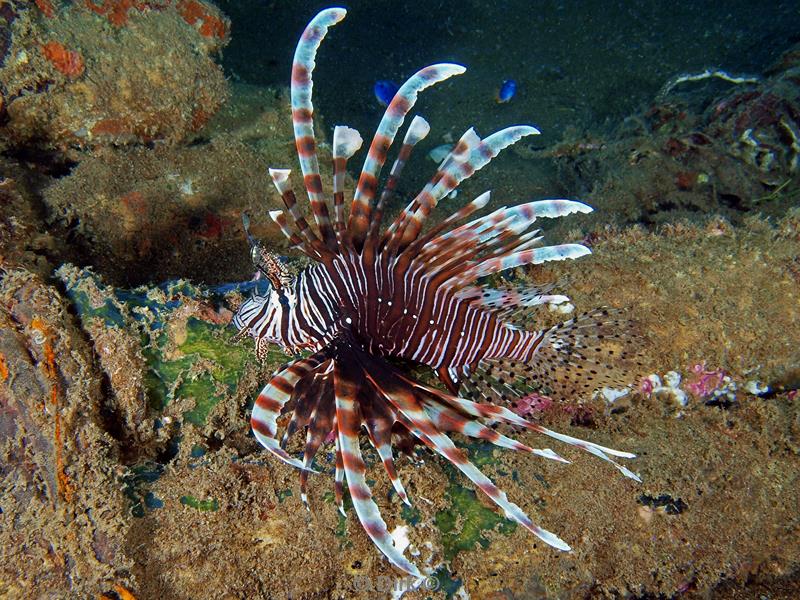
pixel 411 296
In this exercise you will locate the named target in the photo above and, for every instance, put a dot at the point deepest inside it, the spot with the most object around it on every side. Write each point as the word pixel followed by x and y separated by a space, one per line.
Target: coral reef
pixel 127 469
pixel 68 83
pixel 173 408
pixel 761 126
pixel 24 240
pixel 172 209
pixel 175 209
pixel 62 508
pixel 691 153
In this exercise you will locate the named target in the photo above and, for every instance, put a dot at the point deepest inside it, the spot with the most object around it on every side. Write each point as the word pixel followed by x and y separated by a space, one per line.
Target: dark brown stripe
pixel 260 427
pixel 313 183
pixel 300 75
pixel 306 146
pixel 398 106
pixel 455 456
pixel 281 384
pixel 373 529
pixel 360 493
pixel 267 403
pixel 302 115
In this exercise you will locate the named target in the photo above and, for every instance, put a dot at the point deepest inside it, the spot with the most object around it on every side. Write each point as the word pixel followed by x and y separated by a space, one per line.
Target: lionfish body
pixel 406 294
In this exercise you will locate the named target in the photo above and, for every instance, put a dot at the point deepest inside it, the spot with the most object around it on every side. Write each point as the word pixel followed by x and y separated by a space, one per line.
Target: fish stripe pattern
pixel 376 300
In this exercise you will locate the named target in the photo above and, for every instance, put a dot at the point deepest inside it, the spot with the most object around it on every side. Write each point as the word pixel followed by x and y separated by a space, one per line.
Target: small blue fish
pixel 506 91
pixel 385 91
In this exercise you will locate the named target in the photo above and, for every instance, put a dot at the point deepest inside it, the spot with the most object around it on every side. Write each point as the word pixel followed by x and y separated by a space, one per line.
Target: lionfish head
pixel 262 313
pixel 246 317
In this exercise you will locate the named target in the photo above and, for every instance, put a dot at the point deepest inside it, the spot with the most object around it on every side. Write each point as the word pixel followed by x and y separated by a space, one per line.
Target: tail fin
pixel 594 350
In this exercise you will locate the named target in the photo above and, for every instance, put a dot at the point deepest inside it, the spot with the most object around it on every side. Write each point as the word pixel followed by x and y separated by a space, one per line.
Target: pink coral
pixel 648 384
pixel 532 403
pixel 703 382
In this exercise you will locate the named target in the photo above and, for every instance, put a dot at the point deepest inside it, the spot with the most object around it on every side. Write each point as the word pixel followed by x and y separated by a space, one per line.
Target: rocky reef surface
pixel 84 74
pixel 128 468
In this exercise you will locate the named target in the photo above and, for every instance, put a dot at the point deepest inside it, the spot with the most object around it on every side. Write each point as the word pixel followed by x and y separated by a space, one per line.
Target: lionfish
pixel 373 303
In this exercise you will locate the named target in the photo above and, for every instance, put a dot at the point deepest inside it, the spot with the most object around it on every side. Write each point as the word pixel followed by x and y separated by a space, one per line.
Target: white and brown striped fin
pixel 303 117
pixel 514 220
pixel 378 421
pixel 396 234
pixel 347 384
pixel 535 256
pixel 271 400
pixel 320 424
pixel 305 397
pixel 448 419
pixel 461 214
pixel 412 413
pixel 338 477
pixel 417 131
pixel 505 301
pixel 346 142
pixel 591 351
pixel 494 412
pixel 290 233
pixel 280 178
pixel 470 155
pixel 396 111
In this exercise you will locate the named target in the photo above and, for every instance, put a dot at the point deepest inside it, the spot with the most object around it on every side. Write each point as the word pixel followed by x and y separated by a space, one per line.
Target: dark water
pixel 577 64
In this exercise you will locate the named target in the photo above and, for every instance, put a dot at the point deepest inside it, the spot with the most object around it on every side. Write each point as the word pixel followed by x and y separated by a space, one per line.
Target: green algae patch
pixel 203 340
pixel 410 514
pixel 204 392
pixel 108 310
pixel 185 343
pixel 202 364
pixel 466 522
pixel 204 505
pixel 447 583
pixel 481 454
pixel 341 523
pixel 341 532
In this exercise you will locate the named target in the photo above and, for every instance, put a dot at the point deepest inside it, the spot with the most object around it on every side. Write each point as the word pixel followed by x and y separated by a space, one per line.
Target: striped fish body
pixel 390 313
pixel 400 291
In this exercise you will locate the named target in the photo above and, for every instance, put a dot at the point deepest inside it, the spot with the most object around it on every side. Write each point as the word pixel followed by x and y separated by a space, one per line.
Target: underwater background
pixel 135 133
